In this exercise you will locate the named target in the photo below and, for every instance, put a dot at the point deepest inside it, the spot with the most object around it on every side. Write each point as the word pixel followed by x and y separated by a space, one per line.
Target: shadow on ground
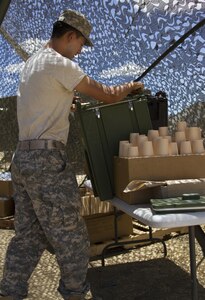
pixel 157 279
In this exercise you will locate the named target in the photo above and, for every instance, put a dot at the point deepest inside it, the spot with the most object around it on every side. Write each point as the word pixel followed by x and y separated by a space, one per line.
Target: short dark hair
pixel 60 28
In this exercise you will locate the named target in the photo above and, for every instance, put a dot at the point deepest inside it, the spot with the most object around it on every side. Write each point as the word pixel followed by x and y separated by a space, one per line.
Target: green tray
pixel 178 204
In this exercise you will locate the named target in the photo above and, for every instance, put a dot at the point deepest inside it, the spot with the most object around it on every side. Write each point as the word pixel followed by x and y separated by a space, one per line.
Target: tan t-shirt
pixel 45 96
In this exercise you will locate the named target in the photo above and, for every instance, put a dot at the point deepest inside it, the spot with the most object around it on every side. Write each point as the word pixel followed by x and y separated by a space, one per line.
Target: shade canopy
pixel 128 36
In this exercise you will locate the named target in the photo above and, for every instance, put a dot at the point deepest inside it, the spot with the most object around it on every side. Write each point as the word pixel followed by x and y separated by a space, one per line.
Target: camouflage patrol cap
pixel 79 22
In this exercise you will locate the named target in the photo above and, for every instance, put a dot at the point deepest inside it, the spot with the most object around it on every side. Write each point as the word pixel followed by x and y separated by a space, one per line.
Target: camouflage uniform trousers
pixel 47 206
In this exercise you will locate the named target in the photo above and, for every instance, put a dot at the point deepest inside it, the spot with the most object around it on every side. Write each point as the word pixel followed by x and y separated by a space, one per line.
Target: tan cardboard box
pixel 6 207
pixel 175 189
pixel 101 227
pixel 156 169
pixel 6 188
pixel 93 205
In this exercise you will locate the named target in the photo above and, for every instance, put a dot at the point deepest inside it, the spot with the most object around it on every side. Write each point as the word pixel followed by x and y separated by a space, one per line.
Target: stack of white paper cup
pixel 133 138
pixel 162 147
pixel 185 147
pixel 186 140
pixel 168 137
pixel 163 131
pixel 180 137
pixel 154 142
pixel 173 148
pixel 147 148
pixel 123 148
pixel 152 134
pixel 193 133
pixel 140 140
pixel 133 151
pixel 197 146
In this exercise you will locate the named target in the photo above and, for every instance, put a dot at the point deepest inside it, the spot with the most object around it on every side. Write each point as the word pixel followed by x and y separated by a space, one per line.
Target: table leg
pixel 117 243
pixel 200 237
pixel 193 262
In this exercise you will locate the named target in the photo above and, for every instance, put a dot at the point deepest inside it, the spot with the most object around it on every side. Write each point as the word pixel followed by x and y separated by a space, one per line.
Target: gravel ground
pixel 141 274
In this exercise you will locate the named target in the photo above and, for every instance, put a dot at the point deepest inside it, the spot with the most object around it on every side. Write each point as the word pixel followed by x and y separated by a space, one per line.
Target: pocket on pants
pixel 64 217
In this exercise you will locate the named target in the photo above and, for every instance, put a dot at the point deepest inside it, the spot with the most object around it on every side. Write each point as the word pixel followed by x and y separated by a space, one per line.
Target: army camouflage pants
pixel 47 205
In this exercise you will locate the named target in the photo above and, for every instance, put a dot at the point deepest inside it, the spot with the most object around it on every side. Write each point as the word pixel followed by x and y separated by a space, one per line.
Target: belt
pixel 40 144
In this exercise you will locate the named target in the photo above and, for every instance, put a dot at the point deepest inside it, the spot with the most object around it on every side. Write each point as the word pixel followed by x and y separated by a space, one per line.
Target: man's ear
pixel 70 35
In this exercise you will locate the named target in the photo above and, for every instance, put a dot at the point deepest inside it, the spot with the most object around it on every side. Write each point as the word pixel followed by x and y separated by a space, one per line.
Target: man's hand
pixel 138 88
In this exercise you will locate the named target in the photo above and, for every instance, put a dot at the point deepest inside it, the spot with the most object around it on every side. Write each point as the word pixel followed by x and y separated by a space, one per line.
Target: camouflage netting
pixel 129 35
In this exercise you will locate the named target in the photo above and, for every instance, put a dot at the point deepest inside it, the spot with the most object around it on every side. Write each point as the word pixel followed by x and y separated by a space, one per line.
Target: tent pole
pixel 170 49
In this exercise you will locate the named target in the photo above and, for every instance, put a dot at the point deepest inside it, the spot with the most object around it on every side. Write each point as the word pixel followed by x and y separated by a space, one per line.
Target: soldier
pixel 47 201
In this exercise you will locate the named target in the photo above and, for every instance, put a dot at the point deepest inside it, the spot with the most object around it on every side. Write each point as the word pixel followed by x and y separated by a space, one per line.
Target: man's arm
pixel 106 94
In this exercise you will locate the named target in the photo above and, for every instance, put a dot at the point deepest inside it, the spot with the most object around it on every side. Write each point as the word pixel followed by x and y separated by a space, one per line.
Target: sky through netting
pixel 128 37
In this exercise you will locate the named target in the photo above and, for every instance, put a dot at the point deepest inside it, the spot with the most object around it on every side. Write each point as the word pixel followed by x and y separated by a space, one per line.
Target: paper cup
pixel 163 131
pixel 162 147
pixel 197 146
pixel 152 134
pixel 193 133
pixel 133 151
pixel 173 148
pixel 123 148
pixel 133 138
pixel 154 142
pixel 147 148
pixel 168 137
pixel 180 136
pixel 140 140
pixel 185 147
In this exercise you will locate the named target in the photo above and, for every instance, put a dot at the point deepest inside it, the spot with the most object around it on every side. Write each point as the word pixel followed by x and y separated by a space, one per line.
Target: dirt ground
pixel 141 274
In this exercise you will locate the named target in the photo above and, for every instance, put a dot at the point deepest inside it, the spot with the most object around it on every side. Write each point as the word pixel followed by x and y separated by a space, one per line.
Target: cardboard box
pixel 176 189
pixel 92 205
pixel 101 227
pixel 6 207
pixel 159 168
pixel 6 188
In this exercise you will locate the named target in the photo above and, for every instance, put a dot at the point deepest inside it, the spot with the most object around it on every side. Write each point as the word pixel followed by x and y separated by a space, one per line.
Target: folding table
pixel 144 214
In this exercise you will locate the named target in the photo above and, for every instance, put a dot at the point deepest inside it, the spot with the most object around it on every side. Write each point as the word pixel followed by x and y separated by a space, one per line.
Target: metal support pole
pixel 115 224
pixel 193 262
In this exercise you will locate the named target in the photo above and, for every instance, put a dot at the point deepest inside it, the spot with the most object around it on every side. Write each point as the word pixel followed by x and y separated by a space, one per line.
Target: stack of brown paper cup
pixel 197 146
pixel 185 147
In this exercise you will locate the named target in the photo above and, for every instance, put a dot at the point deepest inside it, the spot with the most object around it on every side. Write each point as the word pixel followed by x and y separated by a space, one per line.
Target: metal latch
pixel 97 113
pixel 130 104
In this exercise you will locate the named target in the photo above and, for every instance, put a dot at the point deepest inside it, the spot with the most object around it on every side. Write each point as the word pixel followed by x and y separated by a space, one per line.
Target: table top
pixel 144 214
